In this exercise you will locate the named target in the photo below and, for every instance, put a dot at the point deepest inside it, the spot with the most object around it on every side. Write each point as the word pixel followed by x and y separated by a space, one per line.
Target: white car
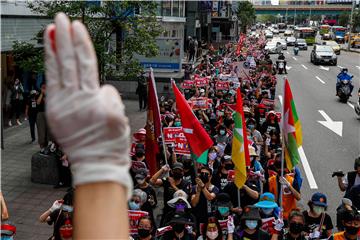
pixel 280 41
pixel 288 32
pixel 273 47
pixel 275 31
pixel 290 41
pixel 269 34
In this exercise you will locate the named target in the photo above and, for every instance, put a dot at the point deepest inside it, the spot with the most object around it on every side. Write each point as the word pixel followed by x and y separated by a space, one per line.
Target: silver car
pixel 290 41
pixel 323 54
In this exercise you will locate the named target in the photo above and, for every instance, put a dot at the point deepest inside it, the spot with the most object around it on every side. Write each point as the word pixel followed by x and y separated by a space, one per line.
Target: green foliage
pixel 135 34
pixel 344 19
pixel 27 57
pixel 246 14
pixel 356 20
pixel 266 18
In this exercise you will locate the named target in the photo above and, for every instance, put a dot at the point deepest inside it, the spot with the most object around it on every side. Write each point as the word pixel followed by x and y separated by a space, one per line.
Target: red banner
pixel 187 84
pixel 134 217
pixel 222 85
pixel 278 114
pixel 181 145
pixel 170 133
pixel 201 82
pixel 268 102
pixel 200 103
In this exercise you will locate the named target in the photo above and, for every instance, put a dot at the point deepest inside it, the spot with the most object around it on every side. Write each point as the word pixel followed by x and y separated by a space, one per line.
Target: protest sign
pixel 181 145
pixel 199 103
pixel 187 84
pixel 170 133
pixel 134 217
pixel 222 85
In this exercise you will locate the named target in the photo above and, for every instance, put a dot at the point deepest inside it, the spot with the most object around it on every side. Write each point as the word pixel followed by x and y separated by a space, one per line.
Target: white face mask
pixel 251 224
pixel 212 155
pixel 267 211
pixel 140 181
pixel 318 210
pixel 212 235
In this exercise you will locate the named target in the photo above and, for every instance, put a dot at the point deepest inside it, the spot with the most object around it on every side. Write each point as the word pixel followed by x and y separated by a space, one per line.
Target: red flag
pixel 153 126
pixel 240 45
pixel 196 135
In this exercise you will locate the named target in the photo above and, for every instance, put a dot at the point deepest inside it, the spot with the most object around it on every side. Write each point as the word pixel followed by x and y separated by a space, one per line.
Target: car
pixel 290 41
pixel 275 31
pixel 269 34
pixel 282 42
pixel 323 54
pixel 335 46
pixel 326 36
pixel 273 47
pixel 288 33
pixel 301 43
pixel 355 42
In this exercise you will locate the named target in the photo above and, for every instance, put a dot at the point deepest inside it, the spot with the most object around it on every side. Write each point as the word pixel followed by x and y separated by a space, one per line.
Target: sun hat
pixel 267 200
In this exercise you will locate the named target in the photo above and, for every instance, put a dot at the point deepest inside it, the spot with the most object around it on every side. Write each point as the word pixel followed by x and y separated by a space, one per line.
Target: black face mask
pixel 351 230
pixel 179 228
pixel 228 166
pixel 204 177
pixel 139 154
pixel 187 165
pixel 296 228
pixel 143 233
pixel 177 175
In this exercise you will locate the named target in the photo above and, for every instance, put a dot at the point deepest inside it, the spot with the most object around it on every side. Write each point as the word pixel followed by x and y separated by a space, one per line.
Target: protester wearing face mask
pixel 189 170
pixel 203 195
pixel 145 229
pixel 318 223
pixel 211 230
pixel 213 156
pixel 351 223
pixel 220 179
pixel 137 200
pixel 180 225
pixel 250 226
pixel 222 137
pixel 255 134
pixel 269 212
pixel 295 230
pixel 143 185
pixel 271 122
pixel 171 184
pixel 249 193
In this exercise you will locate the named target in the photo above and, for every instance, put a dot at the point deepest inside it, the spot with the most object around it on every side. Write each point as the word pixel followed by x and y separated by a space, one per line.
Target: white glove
pixel 315 234
pixel 283 181
pixel 87 121
pixel 166 168
pixel 230 224
pixel 278 224
pixel 267 141
pixel 56 205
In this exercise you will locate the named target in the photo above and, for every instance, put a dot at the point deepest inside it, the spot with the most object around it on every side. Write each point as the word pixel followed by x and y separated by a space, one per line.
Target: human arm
pixel 208 195
pixel 40 98
pixel 154 180
pixel 296 194
pixel 341 183
pixel 45 217
pixel 4 210
pixel 252 193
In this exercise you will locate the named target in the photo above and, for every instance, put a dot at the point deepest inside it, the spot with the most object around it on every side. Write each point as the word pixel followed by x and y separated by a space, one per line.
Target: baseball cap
pixel 319 199
pixel 267 200
pixel 178 165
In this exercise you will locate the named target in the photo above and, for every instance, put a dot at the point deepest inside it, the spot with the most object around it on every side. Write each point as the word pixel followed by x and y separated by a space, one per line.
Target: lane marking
pixel 294 58
pixel 280 99
pixel 320 80
pixel 358 67
pixel 307 169
pixel 287 52
pixel 339 66
pixel 351 105
pixel 304 66
pixel 288 67
pixel 324 68
pixel 335 126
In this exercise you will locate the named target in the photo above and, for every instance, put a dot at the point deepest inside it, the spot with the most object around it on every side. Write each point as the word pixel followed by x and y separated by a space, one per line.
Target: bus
pixel 281 27
pixel 306 33
pixel 338 33
pixel 324 29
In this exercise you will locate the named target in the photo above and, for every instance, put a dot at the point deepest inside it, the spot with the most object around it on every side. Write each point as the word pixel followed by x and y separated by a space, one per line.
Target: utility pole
pixel 351 24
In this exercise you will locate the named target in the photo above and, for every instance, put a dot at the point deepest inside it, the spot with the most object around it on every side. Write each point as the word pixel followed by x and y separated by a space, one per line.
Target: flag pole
pixel 239 198
pixel 283 150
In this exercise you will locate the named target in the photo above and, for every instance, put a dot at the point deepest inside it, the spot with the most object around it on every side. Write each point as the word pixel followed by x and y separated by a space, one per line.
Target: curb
pixel 351 50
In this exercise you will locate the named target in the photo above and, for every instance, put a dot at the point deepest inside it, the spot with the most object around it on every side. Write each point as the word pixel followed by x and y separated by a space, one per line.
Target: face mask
pixel 67 208
pixel 267 211
pixel 134 206
pixel 140 181
pixel 296 228
pixel 228 166
pixel 351 230
pixel 212 156
pixel 180 207
pixel 177 124
pixel 318 210
pixel 187 165
pixel 212 235
pixel 179 228
pixel 139 154
pixel 223 210
pixel 251 126
pixel 143 233
pixel 251 224
pixel 222 132
pixel 177 175
pixel 204 177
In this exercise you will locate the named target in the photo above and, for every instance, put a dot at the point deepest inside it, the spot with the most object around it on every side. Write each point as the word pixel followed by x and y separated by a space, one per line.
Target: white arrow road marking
pixel 294 58
pixel 304 66
pixel 358 67
pixel 307 169
pixel 339 66
pixel 280 99
pixel 352 106
pixel 335 126
pixel 288 67
pixel 287 52
pixel 320 80
pixel 324 68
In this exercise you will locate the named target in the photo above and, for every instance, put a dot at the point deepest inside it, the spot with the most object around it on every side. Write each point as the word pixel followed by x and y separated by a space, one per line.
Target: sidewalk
pixel 26 201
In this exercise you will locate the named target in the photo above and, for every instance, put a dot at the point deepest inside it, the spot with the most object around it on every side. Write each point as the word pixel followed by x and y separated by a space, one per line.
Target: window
pixel 175 8
pixel 166 8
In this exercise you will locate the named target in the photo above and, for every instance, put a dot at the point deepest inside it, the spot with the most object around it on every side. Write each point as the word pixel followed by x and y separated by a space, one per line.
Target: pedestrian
pixel 138 199
pixel 351 223
pixel 31 113
pixel 296 228
pixel 352 178
pixel 180 228
pixel 191 50
pixel 146 229
pixel 211 230
pixel 41 121
pixel 269 212
pixel 63 167
pixel 16 96
pixel 196 46
pixel 141 91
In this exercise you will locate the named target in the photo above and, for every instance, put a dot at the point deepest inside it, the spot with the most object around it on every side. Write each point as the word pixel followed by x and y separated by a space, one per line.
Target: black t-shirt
pixel 204 206
pixel 151 196
pixel 41 106
pixel 288 237
pixel 169 191
pixel 190 176
pixel 311 223
pixel 31 102
pixel 170 235
pixel 246 200
pixel 58 218
pixel 259 234
pixel 220 181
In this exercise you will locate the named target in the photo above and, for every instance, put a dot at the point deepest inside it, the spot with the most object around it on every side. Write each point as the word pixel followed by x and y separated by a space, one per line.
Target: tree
pixel 246 14
pixel 356 20
pixel 266 18
pixel 134 33
pixel 28 57
pixel 344 19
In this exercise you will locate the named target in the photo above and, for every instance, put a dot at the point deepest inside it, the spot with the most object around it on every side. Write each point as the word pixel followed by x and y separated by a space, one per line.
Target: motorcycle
pixel 296 51
pixel 344 90
pixel 357 107
pixel 280 66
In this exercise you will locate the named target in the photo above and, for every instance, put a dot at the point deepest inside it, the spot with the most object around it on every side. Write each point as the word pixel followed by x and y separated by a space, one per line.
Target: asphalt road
pixel 313 88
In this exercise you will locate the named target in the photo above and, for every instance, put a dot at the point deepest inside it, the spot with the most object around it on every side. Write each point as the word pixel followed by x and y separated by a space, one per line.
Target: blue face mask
pixel 223 210
pixel 251 224
pixel 177 124
pixel 251 126
pixel 222 132
pixel 267 211
pixel 134 206
pixel 67 208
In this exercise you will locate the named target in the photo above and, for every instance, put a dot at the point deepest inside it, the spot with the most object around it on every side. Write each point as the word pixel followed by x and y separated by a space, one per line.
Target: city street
pixel 313 89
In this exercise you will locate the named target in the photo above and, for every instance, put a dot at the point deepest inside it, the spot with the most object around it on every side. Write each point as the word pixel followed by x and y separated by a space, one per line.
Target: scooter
pixel 296 51
pixel 344 90
pixel 280 64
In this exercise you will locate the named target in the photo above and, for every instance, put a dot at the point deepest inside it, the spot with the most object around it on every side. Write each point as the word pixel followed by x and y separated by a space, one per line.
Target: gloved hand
pixel 278 224
pixel 230 224
pixel 87 121
pixel 56 205
pixel 166 168
pixel 283 181
pixel 314 234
